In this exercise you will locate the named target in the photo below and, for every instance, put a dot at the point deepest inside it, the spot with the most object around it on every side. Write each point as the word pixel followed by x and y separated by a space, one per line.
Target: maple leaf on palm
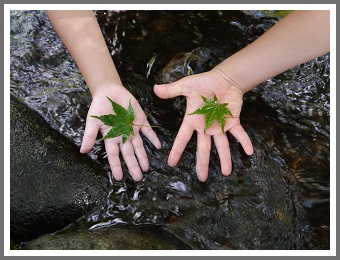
pixel 121 122
pixel 213 111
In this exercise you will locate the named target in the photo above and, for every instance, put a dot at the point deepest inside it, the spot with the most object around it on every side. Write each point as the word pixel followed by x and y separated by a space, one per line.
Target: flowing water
pixel 279 198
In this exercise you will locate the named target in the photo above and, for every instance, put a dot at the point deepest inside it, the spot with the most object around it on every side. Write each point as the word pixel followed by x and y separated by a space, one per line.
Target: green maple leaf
pixel 213 111
pixel 121 122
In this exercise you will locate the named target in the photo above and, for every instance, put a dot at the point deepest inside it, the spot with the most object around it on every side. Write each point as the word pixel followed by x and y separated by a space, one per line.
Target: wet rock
pixel 51 183
pixel 180 66
pixel 187 63
pixel 108 239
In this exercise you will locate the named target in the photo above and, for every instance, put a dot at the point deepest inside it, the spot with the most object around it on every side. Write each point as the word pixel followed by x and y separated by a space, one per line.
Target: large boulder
pixel 51 183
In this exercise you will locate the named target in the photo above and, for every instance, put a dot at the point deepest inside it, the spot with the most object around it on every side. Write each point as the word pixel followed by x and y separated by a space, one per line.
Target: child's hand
pixel 132 150
pixel 193 87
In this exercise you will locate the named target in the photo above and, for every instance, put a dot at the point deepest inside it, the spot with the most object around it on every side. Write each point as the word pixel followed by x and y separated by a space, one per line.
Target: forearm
pixel 297 38
pixel 80 32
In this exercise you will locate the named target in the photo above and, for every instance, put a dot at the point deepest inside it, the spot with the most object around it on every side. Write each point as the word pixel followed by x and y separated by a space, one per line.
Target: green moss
pixel 276 13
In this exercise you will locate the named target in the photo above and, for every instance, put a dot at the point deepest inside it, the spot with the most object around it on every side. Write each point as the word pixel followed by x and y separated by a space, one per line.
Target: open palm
pixel 132 150
pixel 193 87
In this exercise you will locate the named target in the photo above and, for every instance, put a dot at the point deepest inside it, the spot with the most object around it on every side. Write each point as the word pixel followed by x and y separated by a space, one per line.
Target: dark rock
pixel 52 184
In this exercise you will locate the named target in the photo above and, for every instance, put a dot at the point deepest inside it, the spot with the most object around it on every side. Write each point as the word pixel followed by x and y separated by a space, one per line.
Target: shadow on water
pixel 276 199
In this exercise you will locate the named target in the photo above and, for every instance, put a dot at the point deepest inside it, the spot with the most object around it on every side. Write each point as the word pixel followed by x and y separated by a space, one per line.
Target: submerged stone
pixel 113 238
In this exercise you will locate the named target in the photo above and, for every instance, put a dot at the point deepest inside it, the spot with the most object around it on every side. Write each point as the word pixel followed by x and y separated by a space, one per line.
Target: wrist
pixel 103 87
pixel 231 82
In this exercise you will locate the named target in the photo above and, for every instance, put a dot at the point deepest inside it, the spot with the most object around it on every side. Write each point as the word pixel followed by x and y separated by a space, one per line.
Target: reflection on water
pixel 276 199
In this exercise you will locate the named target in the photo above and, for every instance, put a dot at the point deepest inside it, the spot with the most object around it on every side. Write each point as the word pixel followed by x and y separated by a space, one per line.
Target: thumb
pixel 171 90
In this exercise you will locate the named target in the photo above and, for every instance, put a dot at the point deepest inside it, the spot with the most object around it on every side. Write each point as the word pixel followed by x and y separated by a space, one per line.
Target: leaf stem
pixel 147 125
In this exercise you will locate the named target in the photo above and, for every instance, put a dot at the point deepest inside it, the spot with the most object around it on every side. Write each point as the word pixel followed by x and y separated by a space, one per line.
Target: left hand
pixel 193 87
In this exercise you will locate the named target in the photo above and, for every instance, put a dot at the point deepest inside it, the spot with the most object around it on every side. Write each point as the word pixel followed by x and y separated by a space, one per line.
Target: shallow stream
pixel 276 199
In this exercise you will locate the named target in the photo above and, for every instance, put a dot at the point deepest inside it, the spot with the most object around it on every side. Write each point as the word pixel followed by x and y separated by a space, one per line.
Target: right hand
pixel 193 87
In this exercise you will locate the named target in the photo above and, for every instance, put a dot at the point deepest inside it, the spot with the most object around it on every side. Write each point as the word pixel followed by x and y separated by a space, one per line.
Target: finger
pixel 130 160
pixel 181 141
pixel 222 146
pixel 203 156
pixel 238 132
pixel 151 135
pixel 112 151
pixel 166 91
pixel 139 150
pixel 90 135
